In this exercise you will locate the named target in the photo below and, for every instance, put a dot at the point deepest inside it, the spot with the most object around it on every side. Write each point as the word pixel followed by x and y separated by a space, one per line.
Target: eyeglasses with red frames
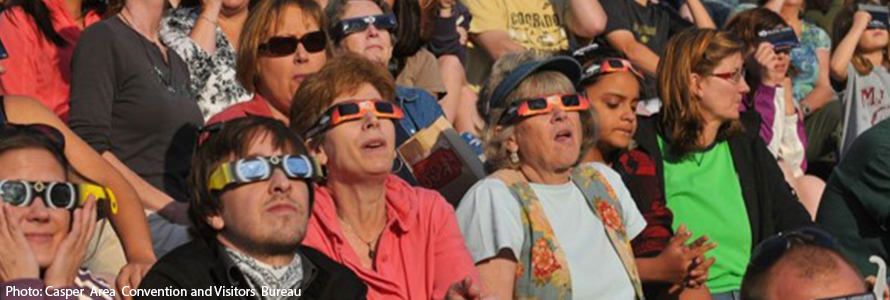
pixel 734 77
pixel 354 110
pixel 537 106
pixel 278 46
pixel 610 65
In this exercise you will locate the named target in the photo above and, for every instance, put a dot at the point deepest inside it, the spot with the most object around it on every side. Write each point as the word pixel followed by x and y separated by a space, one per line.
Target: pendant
pixel 371 254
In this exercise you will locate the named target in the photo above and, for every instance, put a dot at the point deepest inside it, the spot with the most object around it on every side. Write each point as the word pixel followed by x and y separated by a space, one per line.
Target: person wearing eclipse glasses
pixel 402 241
pixel 542 226
pixel 283 42
pixel 365 27
pixel 669 266
pixel 252 182
pixel 46 221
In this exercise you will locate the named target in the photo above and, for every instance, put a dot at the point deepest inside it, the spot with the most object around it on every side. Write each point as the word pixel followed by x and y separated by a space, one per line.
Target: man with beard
pixel 252 185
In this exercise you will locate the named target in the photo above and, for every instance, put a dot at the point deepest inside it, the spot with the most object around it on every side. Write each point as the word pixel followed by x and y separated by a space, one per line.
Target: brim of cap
pixel 563 64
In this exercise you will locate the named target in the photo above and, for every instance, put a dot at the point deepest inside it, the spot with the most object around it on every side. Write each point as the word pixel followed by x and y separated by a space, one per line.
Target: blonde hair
pixel 694 51
pixel 537 84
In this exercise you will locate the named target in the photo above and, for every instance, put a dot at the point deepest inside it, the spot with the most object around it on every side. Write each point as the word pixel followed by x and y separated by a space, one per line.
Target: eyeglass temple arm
pixel 881 279
pixel 221 177
pixel 106 194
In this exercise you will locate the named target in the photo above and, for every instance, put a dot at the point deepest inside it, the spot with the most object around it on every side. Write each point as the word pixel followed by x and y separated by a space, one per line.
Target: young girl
pixel 859 71
pixel 780 126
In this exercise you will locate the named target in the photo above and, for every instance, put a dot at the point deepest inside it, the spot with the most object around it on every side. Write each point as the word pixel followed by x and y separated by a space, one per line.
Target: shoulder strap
pixel 542 270
pixel 603 201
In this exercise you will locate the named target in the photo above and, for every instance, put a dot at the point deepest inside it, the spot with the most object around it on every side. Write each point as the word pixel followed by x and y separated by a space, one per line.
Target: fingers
pixel 680 238
pixel 699 251
pixel 699 242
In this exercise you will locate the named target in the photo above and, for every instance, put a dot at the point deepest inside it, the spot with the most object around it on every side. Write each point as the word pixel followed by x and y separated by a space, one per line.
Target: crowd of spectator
pixel 325 149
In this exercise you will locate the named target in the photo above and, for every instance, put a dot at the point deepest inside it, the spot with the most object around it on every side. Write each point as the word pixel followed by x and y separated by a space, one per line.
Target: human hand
pixel 464 290
pixel 766 58
pixel 700 265
pixel 72 252
pixel 16 258
pixel 131 275
pixel 861 19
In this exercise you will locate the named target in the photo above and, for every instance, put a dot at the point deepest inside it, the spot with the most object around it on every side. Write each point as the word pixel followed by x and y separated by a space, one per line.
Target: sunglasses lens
pixel 537 104
pixel 253 169
pixel 353 25
pixel 384 22
pixel 571 101
pixel 14 193
pixel 281 46
pixel 384 107
pixel 61 195
pixel 297 166
pixel 315 41
pixel 348 109
pixel 615 64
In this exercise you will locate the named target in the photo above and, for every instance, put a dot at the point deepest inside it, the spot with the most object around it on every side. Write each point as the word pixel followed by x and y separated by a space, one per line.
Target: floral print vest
pixel 542 271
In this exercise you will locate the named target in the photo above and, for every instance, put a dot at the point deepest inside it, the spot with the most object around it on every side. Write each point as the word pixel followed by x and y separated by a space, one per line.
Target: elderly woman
pixel 403 242
pixel 46 221
pixel 612 85
pixel 206 34
pixel 365 27
pixel 539 227
pixel 282 43
pixel 710 169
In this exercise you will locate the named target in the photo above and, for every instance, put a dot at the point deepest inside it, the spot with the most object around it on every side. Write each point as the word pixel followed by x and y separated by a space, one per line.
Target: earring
pixel 514 157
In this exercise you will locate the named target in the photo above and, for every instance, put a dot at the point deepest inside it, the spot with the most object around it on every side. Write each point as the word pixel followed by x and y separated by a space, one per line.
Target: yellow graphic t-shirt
pixel 530 23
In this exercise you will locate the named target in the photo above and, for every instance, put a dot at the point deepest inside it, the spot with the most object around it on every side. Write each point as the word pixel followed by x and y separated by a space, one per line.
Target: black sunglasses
pixel 350 26
pixel 286 45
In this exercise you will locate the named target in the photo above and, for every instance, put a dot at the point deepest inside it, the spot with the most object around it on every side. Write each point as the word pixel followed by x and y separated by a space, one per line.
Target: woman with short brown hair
pixel 402 241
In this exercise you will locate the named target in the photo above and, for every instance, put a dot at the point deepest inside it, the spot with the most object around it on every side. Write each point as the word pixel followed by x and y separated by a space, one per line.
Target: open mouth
pixel 374 144
pixel 39 237
pixel 564 136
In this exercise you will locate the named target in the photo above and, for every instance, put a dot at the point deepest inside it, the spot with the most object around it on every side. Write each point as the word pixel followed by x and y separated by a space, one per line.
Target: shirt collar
pixel 400 210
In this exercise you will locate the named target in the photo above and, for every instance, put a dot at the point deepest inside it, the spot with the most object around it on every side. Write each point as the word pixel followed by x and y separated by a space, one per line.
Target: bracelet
pixel 207 19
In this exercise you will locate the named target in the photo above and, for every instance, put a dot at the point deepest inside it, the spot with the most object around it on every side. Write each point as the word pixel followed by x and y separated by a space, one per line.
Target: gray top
pixel 865 102
pixel 127 100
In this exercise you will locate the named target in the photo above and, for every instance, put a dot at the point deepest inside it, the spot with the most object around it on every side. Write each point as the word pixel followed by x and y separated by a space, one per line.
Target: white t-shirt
pixel 490 220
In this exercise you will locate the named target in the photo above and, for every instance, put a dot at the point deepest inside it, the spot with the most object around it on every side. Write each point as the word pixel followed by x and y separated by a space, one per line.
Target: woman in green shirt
pixel 718 179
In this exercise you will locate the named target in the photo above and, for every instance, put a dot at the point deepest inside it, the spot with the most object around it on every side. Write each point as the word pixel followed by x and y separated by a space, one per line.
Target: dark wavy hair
pixel 232 139
pixel 41 15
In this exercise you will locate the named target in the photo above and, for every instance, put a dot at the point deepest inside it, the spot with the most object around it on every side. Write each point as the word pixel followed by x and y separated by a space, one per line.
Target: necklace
pixel 372 254
pixel 167 80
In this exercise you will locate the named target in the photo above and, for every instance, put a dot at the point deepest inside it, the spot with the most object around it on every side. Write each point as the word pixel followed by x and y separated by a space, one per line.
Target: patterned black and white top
pixel 212 77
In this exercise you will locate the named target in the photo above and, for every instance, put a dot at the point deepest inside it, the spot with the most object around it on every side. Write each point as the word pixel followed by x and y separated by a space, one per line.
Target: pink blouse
pixel 421 252
pixel 36 67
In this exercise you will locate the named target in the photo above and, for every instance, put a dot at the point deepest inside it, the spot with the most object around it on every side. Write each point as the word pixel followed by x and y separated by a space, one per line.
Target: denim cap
pixel 563 64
